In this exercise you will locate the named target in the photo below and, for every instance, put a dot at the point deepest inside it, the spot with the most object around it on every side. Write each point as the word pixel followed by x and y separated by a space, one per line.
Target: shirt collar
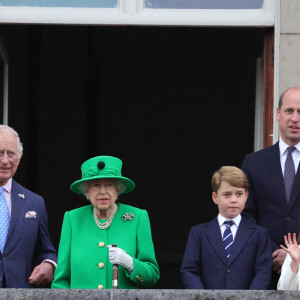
pixel 7 186
pixel 283 146
pixel 236 220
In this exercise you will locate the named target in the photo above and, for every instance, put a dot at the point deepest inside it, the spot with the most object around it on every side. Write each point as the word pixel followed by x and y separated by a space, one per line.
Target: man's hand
pixel 42 274
pixel 278 259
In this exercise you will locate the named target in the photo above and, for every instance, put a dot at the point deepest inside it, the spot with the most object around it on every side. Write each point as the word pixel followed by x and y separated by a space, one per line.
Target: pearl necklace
pixel 108 222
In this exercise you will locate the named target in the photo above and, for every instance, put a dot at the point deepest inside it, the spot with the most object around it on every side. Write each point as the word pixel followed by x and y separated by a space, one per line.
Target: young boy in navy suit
pixel 246 263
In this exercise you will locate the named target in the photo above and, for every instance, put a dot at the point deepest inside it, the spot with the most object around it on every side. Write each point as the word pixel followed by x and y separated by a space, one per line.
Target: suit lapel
pixel 17 204
pixel 276 172
pixel 295 190
pixel 213 234
pixel 243 233
pixel 275 166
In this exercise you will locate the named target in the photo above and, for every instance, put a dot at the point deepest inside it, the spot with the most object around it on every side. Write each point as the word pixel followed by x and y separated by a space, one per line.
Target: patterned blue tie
pixel 227 237
pixel 289 173
pixel 4 219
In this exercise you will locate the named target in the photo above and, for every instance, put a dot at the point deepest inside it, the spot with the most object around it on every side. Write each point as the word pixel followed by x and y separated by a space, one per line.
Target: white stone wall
pixel 289 44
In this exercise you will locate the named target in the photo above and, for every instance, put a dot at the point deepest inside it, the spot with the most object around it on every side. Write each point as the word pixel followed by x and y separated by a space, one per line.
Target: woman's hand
pixel 293 250
pixel 120 257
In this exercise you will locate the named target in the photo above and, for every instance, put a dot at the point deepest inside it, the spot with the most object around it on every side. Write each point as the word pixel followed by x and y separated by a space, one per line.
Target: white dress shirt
pixel 288 279
pixel 236 222
pixel 283 154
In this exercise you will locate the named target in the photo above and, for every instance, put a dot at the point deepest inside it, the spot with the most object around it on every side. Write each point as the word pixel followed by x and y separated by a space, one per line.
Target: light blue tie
pixel 4 219
pixel 227 237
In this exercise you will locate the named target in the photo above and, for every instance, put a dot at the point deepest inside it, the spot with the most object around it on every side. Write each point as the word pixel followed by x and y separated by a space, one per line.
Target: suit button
pixel 101 244
pixel 100 286
pixel 288 219
pixel 101 265
pixel 228 270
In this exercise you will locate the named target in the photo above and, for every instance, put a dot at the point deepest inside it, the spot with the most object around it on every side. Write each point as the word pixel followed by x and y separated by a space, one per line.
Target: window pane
pixel 205 4
pixel 61 3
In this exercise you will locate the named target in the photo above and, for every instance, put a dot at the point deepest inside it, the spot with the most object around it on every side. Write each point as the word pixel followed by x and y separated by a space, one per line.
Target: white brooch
pixel 128 216
pixel 21 196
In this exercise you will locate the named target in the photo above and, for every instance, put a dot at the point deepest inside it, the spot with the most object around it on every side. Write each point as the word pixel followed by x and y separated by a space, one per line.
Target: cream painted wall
pixel 289 49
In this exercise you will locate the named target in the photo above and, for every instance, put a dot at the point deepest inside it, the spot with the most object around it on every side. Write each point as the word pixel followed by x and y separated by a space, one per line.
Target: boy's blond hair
pixel 230 174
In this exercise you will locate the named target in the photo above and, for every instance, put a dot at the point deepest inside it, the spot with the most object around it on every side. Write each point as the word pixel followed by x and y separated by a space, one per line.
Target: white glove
pixel 120 257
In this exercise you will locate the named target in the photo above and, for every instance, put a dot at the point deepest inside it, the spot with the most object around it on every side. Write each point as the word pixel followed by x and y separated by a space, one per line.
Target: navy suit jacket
pixel 205 265
pixel 28 242
pixel 267 202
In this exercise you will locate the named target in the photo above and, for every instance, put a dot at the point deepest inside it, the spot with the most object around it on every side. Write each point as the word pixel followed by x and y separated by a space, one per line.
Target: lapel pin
pixel 21 196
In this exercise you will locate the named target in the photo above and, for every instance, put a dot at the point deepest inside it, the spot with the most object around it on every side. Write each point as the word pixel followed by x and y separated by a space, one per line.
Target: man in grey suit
pixel 27 256
pixel 274 183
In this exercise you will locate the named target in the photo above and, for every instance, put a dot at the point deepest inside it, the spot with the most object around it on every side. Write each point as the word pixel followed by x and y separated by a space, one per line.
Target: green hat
pixel 102 167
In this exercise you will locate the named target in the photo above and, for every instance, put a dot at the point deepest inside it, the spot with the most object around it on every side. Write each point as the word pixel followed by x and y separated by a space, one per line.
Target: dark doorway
pixel 174 104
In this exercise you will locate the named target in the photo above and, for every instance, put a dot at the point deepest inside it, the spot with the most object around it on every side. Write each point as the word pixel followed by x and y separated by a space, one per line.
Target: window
pixel 62 3
pixel 205 4
pixel 140 12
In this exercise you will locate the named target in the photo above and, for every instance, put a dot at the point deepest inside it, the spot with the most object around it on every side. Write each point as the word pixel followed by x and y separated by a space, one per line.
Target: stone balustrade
pixel 48 294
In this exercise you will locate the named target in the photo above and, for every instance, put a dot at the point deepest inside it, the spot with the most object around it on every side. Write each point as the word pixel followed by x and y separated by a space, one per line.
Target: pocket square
pixel 30 214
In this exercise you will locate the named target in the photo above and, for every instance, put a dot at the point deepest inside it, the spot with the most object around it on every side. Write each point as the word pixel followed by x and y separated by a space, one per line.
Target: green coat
pixel 83 247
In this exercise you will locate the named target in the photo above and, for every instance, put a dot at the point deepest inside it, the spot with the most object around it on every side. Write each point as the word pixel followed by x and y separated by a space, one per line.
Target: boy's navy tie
pixel 289 173
pixel 227 237
pixel 4 219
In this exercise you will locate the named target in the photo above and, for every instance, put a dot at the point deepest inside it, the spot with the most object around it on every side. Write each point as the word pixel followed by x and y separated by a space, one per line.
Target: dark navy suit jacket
pixel 205 265
pixel 28 242
pixel 267 202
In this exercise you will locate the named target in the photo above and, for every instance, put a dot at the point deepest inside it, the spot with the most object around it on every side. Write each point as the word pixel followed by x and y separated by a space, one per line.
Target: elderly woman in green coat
pixel 85 256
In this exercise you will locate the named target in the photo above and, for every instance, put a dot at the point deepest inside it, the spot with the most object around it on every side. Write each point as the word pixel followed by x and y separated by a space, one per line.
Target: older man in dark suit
pixel 27 256
pixel 274 183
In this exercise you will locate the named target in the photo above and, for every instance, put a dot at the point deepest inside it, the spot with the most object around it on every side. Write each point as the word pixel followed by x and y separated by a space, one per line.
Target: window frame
pixel 4 58
pixel 133 12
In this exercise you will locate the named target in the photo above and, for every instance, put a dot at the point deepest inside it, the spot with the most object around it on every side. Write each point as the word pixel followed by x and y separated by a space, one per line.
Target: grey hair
pixel 121 187
pixel 7 129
